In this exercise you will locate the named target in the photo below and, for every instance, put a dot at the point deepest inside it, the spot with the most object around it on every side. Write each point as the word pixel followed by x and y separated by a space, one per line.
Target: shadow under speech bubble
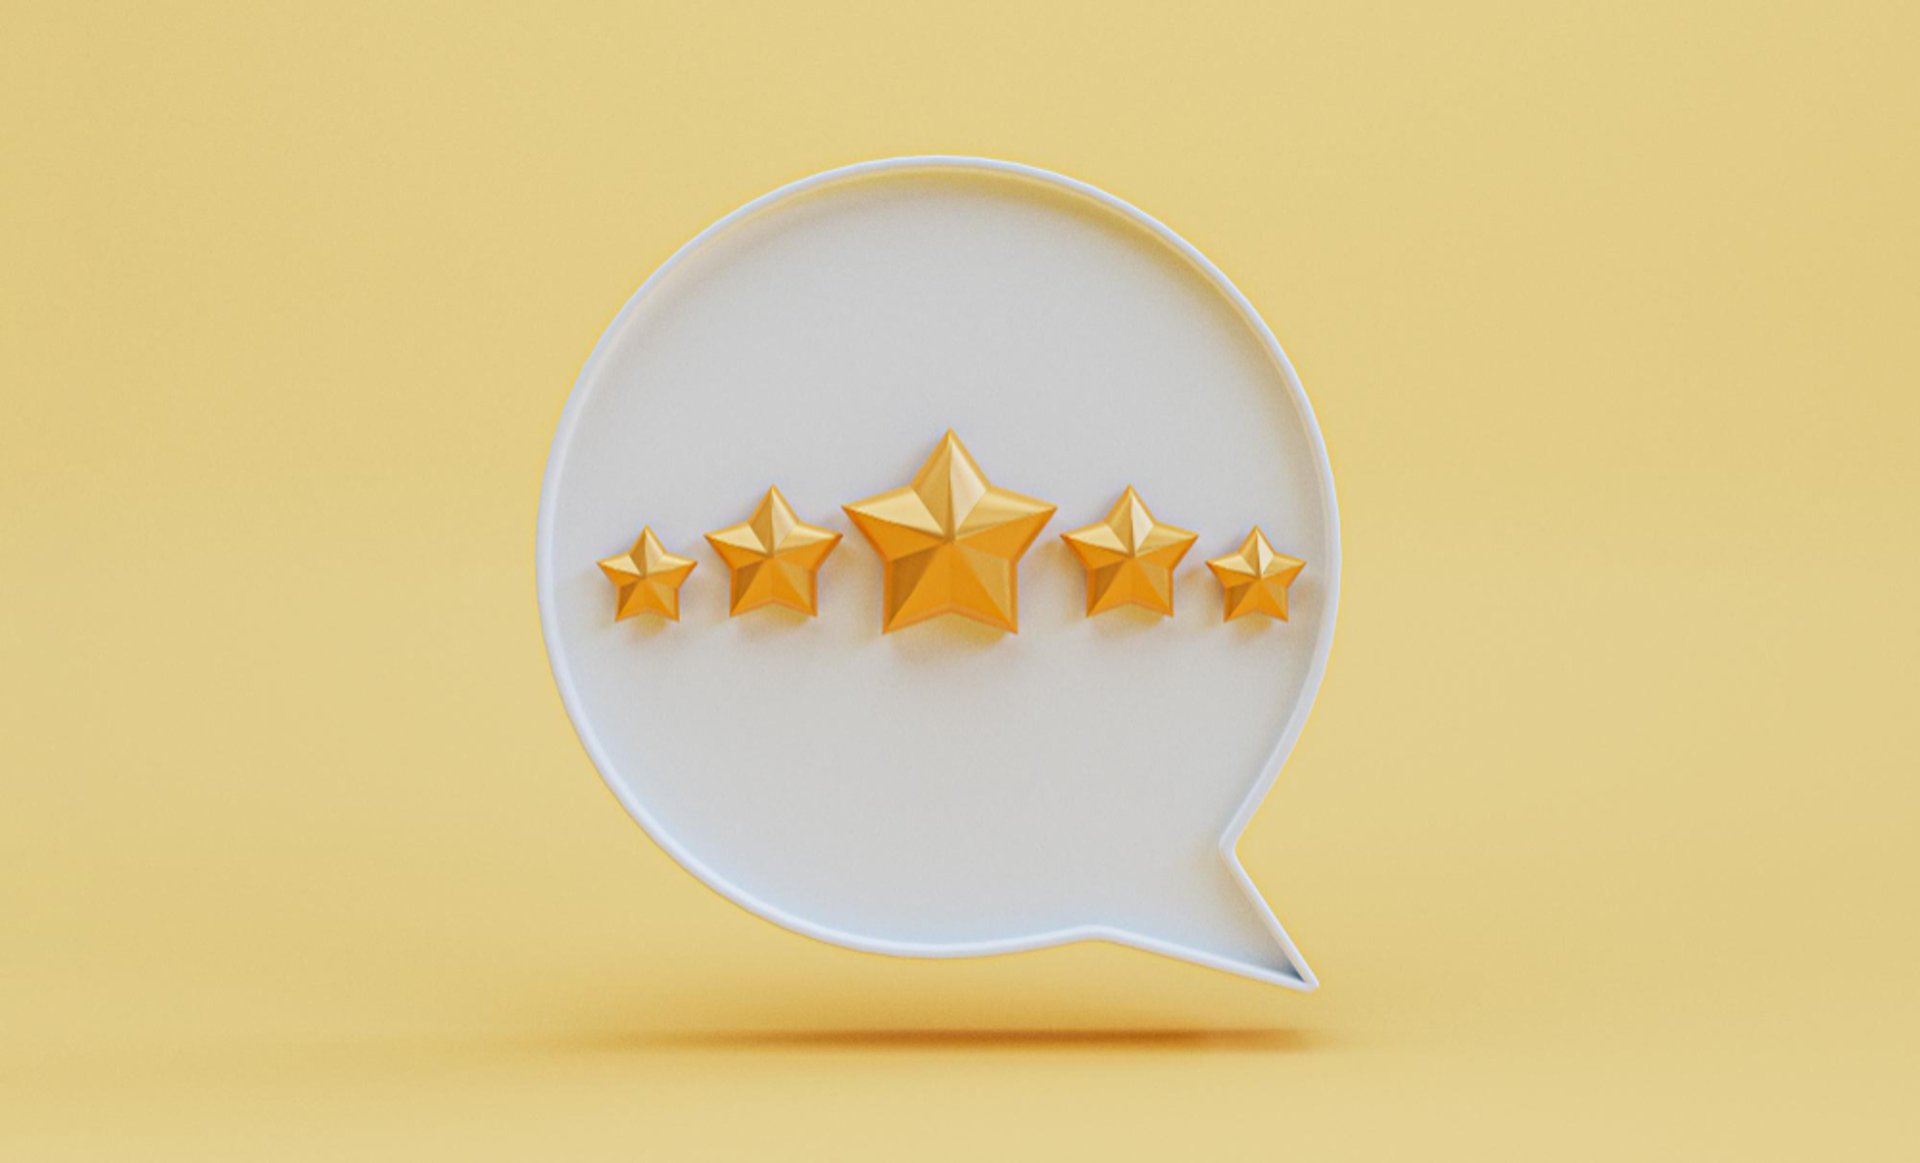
pixel 1160 1039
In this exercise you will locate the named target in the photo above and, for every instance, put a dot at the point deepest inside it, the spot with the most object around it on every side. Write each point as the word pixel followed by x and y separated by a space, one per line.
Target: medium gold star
pixel 1129 557
pixel 646 579
pixel 774 557
pixel 951 542
pixel 1254 578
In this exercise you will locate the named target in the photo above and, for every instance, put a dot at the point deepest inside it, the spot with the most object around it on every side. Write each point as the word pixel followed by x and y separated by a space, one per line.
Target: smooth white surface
pixel 947 789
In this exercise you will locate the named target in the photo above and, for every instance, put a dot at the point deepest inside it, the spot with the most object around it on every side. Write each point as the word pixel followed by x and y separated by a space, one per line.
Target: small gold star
pixel 1254 578
pixel 1129 557
pixel 646 579
pixel 774 557
pixel 951 542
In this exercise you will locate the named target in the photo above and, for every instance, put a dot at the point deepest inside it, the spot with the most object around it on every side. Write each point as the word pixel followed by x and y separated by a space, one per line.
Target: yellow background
pixel 1602 837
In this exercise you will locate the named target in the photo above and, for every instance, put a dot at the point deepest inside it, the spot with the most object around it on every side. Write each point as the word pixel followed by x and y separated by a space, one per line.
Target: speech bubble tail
pixel 1224 923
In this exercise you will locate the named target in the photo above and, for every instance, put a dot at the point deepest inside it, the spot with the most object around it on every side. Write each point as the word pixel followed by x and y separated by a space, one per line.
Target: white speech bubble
pixel 945 790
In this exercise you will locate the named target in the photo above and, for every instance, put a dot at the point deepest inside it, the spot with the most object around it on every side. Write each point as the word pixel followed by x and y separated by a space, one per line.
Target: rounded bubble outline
pixel 1301 977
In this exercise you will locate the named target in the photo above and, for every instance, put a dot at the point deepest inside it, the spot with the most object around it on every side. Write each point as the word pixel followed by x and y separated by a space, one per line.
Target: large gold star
pixel 1129 557
pixel 1254 578
pixel 774 557
pixel 951 542
pixel 646 579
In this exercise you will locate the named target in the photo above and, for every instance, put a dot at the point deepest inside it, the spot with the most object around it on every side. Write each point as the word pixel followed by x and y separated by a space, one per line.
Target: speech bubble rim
pixel 1299 976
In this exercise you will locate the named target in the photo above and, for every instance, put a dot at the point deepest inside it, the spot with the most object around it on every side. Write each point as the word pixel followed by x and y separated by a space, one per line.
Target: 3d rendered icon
pixel 774 557
pixel 953 790
pixel 1129 557
pixel 646 579
pixel 951 542
pixel 1254 579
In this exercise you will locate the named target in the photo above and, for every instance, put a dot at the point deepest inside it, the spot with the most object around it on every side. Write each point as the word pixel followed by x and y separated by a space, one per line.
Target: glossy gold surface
pixel 1129 557
pixel 1254 579
pixel 774 557
pixel 646 579
pixel 951 541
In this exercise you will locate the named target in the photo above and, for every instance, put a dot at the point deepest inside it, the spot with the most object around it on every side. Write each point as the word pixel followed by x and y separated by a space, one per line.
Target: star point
pixel 1129 557
pixel 951 541
pixel 773 558
pixel 646 578
pixel 1254 579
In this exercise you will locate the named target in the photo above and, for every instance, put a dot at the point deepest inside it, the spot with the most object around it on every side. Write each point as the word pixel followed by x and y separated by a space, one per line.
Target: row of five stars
pixel 951 542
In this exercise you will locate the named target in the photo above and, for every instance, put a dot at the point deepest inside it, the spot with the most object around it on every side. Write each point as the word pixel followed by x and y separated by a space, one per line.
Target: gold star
pixel 1129 557
pixel 646 579
pixel 1255 579
pixel 951 542
pixel 774 557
